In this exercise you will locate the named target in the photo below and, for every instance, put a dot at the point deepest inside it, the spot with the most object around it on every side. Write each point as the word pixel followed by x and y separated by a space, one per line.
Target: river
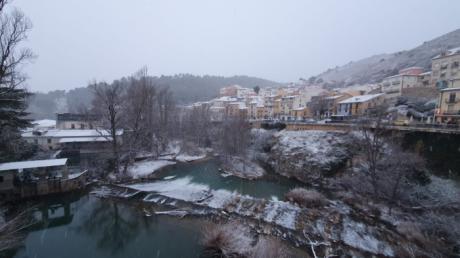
pixel 84 225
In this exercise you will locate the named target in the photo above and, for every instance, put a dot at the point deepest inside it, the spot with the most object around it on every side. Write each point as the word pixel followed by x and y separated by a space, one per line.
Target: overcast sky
pixel 80 40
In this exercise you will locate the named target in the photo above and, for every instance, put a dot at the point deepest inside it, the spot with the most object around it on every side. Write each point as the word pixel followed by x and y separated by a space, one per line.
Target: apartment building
pixel 445 69
pixel 393 86
pixel 448 106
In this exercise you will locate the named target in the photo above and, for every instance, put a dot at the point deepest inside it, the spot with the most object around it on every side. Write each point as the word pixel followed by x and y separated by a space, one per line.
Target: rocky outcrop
pixel 308 156
pixel 241 167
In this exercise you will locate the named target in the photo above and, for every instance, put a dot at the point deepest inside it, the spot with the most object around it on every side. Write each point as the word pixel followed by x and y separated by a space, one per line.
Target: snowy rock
pixel 143 169
pixel 308 155
pixel 241 167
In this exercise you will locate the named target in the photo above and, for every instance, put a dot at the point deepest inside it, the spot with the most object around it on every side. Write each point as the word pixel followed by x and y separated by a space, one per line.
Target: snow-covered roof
pixel 400 75
pixel 451 89
pixel 44 123
pixel 57 133
pixel 425 73
pixel 32 164
pixel 450 52
pixel 299 109
pixel 359 99
pixel 83 139
pixel 334 97
pixel 225 98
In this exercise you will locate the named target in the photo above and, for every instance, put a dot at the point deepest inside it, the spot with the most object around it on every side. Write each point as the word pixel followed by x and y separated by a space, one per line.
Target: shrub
pixel 269 248
pixel 306 198
pixel 228 240
pixel 411 231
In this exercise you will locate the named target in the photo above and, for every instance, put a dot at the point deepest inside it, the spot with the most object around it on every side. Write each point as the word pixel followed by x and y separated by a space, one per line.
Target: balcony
pixel 451 101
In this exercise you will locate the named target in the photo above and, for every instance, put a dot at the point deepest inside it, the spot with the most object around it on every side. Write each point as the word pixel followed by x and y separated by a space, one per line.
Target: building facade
pixel 359 105
pixel 445 69
pixel 448 106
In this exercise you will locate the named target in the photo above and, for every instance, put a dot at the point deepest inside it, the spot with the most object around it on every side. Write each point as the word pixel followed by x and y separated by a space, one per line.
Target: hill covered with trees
pixel 186 88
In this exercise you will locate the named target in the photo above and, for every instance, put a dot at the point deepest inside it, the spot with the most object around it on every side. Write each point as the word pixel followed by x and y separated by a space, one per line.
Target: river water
pixel 83 225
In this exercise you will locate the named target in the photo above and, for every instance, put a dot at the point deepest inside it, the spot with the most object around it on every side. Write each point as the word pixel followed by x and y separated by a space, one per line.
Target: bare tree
pixel 165 107
pixel 137 111
pixel 234 137
pixel 108 103
pixel 11 234
pixel 13 99
pixel 383 165
pixel 196 125
pixel 319 105
pixel 13 30
pixel 371 144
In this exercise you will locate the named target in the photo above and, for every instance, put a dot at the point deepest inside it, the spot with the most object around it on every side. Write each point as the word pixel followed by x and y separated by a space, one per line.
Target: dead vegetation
pixel 235 240
pixel 269 248
pixel 229 240
pixel 306 198
pixel 11 234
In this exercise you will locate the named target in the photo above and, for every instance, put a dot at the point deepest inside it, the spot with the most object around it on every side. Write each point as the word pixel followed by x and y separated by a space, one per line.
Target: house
pixel 23 179
pixel 300 114
pixel 445 69
pixel 236 109
pixel 287 104
pixel 448 106
pixel 393 86
pixel 324 106
pixel 52 139
pixel 359 105
pixel 424 79
pixel 77 121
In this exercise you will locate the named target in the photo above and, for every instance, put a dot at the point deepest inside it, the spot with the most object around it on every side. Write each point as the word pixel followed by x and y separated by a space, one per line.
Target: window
pixel 452 98
pixel 35 141
pixel 49 140
pixel 72 126
pixel 1 179
pixel 82 126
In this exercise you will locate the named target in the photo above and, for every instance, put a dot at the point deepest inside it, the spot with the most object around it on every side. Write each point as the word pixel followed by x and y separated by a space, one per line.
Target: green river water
pixel 83 225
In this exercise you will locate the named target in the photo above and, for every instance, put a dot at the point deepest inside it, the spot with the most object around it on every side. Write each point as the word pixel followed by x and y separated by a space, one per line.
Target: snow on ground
pixel 75 175
pixel 242 167
pixel 440 189
pixel 175 151
pixel 281 213
pixel 188 158
pixel 317 146
pixel 45 123
pixel 144 168
pixel 359 236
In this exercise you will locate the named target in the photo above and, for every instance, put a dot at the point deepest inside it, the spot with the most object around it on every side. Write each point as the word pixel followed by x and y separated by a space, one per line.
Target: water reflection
pixel 113 225
pixel 92 227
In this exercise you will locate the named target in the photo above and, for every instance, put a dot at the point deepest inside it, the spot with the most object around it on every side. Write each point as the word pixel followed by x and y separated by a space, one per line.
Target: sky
pixel 78 41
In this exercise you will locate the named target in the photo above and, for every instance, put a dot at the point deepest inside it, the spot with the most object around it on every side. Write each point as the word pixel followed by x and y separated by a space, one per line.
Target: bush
pixel 269 248
pixel 412 232
pixel 228 240
pixel 306 198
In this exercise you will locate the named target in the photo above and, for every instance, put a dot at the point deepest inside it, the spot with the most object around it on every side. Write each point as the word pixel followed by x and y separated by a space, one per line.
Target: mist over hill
pixel 373 69
pixel 186 88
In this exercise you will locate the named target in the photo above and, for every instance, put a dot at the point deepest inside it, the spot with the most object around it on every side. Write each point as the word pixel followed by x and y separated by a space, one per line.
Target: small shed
pixel 32 168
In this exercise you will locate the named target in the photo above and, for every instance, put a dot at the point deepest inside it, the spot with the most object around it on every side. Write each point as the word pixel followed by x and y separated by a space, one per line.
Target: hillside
pixel 373 69
pixel 185 87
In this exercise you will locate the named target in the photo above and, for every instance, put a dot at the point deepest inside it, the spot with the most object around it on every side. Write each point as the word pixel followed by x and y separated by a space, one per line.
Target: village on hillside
pixel 361 160
pixel 413 96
